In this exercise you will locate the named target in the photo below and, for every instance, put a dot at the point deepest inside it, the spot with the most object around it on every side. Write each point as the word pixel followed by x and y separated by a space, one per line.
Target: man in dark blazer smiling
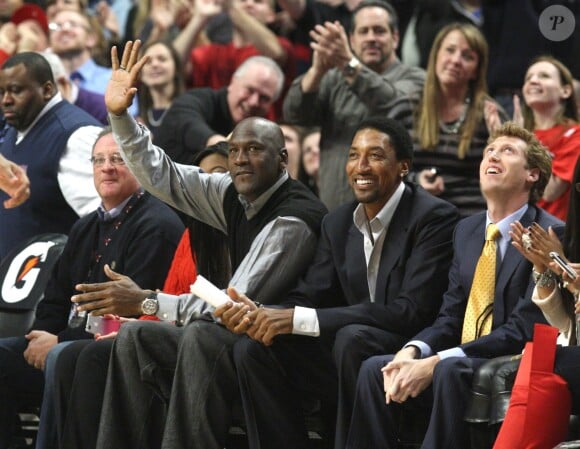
pixel 377 278
pixel 434 370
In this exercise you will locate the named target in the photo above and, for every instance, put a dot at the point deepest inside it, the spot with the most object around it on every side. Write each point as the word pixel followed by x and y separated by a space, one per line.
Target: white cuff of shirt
pixel 305 322
pixel 168 307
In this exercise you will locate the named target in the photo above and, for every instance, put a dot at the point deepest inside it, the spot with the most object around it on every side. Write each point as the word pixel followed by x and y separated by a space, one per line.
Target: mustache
pixel 372 46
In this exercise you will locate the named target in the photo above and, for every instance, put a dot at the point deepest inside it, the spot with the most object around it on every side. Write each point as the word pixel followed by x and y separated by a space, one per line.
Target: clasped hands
pixel 262 324
pixel 406 377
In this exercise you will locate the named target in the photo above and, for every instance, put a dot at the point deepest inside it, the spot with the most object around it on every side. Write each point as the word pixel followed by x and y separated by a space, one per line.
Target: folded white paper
pixel 209 292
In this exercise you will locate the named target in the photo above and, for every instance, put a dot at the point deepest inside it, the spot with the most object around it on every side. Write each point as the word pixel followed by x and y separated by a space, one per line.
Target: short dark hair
pixel 398 135
pixel 36 65
pixel 393 17
pixel 221 148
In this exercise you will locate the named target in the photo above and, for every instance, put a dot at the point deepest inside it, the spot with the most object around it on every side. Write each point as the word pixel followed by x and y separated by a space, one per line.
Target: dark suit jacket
pixel 514 314
pixel 412 273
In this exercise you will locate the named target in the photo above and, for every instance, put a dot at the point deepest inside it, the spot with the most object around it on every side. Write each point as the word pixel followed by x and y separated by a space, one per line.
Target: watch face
pixel 149 306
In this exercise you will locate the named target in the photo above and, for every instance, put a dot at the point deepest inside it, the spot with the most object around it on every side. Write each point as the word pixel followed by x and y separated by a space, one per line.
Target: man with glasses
pixel 52 139
pixel 73 40
pixel 132 232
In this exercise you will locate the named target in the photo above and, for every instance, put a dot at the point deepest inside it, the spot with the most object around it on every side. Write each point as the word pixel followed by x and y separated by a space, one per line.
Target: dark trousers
pixel 20 384
pixel 374 423
pixel 302 367
pixel 273 381
pixel 80 376
pixel 352 346
pixel 169 387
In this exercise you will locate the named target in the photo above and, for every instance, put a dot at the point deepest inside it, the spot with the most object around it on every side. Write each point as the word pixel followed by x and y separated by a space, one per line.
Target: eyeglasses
pixel 68 24
pixel 115 159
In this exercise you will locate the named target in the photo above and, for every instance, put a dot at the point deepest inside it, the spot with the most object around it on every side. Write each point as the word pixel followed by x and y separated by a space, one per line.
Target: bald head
pixel 264 129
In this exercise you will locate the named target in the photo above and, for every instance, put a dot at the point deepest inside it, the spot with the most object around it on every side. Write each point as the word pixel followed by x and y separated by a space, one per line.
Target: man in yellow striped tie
pixel 486 311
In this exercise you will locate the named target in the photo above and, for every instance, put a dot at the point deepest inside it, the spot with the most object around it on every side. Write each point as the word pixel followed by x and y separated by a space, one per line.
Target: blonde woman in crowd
pixel 446 120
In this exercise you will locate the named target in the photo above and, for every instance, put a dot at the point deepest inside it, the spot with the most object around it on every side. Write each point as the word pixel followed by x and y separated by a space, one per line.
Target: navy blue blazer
pixel 514 314
pixel 412 274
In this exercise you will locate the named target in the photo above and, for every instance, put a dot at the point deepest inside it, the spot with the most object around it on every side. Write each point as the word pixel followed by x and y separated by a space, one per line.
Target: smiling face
pixel 22 97
pixel 311 153
pixel 114 182
pixel 504 173
pixel 252 92
pixel 456 64
pixel 256 156
pixel 543 86
pixel 373 170
pixel 372 40
pixel 70 33
pixel 160 69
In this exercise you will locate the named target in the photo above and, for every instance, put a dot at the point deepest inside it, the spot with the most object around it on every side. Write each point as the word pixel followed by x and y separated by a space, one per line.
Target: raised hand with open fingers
pixel 122 86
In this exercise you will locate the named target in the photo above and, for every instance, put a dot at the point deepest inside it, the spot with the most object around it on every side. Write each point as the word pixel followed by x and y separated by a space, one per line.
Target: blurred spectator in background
pixel 103 25
pixel 90 102
pixel 74 40
pixel 161 83
pixel 7 8
pixel 151 20
pixel 293 143
pixel 310 159
pixel 26 31
pixel 549 110
pixel 204 116
pixel 514 38
pixel 213 64
pixel 429 17
pixel 348 83
pixel 446 120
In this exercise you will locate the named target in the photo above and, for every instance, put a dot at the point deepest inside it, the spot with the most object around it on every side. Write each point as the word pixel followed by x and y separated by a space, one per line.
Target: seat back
pixel 24 273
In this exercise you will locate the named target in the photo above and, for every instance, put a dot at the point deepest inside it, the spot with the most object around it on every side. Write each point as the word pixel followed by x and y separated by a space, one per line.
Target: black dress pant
pixel 81 374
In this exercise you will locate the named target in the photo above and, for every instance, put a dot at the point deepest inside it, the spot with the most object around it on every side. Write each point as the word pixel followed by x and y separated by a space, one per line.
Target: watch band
pixel 351 68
